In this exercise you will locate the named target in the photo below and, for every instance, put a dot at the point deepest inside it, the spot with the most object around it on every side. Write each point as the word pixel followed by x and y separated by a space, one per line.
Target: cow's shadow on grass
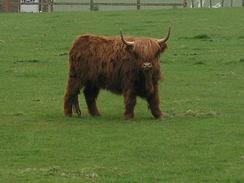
pixel 104 118
pixel 141 116
pixel 116 118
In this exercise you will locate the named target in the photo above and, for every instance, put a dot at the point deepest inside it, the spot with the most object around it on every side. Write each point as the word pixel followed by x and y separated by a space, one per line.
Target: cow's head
pixel 146 54
pixel 146 51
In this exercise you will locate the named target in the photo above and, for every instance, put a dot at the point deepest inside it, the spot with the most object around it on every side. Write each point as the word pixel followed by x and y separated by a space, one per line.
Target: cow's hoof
pixel 129 116
pixel 95 114
pixel 68 112
pixel 78 115
pixel 159 115
pixel 68 115
pixel 78 112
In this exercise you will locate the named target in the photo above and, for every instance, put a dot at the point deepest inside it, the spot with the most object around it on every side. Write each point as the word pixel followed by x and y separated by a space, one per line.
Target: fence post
pixel 138 4
pixel 242 3
pixel 19 5
pixel 184 3
pixel 210 3
pixel 51 8
pixel 41 6
pixel 48 5
pixel 231 3
pixel 192 3
pixel 201 3
pixel 222 3
pixel 91 5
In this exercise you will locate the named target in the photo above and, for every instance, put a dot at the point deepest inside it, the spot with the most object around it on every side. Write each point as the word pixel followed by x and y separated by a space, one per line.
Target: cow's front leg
pixel 130 102
pixel 91 93
pixel 153 103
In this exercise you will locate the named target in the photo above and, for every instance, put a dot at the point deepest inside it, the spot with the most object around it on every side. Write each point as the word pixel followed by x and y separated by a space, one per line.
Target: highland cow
pixel 128 66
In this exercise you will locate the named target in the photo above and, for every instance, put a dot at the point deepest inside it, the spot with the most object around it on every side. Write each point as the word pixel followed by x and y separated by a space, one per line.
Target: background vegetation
pixel 200 139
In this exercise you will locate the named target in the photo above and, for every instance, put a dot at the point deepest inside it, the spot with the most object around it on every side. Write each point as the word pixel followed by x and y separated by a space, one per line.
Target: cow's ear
pixel 129 48
pixel 163 46
pixel 131 51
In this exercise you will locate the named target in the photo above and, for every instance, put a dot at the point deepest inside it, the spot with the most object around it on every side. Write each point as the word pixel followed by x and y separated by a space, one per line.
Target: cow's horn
pixel 128 43
pixel 166 38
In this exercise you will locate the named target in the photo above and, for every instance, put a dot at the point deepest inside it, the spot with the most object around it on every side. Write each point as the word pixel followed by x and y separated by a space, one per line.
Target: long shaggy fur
pixel 97 62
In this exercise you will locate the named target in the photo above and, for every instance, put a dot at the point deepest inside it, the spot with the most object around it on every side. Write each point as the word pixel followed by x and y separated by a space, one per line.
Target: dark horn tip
pixel 169 29
pixel 120 32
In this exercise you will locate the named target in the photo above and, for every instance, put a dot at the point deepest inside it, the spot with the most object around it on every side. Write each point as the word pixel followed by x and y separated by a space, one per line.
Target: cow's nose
pixel 147 65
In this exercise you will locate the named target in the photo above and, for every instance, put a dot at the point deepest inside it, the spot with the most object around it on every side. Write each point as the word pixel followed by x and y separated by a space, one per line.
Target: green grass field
pixel 200 140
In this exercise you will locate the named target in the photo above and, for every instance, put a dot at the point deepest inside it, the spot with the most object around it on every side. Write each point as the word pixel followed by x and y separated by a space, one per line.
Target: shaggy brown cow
pixel 128 66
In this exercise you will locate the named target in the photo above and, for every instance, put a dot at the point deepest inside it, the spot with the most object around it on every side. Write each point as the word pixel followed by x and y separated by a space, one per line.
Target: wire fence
pixel 95 5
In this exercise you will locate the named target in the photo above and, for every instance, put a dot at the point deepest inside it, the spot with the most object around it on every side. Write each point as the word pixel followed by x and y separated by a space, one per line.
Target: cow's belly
pixel 110 85
pixel 114 88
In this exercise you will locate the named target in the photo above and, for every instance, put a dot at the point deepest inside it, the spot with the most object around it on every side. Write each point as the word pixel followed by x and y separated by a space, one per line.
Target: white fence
pixel 214 3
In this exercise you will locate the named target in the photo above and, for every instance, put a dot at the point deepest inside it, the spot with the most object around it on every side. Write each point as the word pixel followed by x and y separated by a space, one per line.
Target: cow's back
pixel 101 60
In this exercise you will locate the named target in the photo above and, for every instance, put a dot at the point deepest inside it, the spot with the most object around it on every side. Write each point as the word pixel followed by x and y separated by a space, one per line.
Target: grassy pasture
pixel 200 140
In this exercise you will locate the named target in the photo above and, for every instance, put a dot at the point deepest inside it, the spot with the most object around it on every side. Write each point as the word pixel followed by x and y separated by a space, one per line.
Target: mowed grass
pixel 201 139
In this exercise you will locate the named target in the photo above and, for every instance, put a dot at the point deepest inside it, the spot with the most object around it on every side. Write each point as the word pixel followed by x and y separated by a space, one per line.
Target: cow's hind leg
pixel 91 92
pixel 71 97
pixel 76 105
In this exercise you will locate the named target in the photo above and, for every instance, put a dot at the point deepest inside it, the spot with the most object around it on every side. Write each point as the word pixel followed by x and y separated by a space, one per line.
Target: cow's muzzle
pixel 147 66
